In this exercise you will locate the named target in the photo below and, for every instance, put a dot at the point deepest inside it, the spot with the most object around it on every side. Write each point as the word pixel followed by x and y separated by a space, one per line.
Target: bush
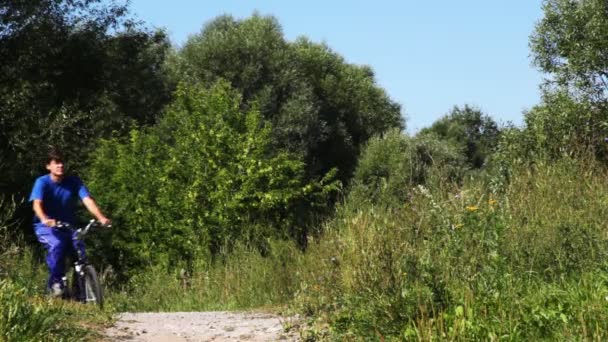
pixel 391 165
pixel 27 318
pixel 472 132
pixel 559 127
pixel 200 180
pixel 468 264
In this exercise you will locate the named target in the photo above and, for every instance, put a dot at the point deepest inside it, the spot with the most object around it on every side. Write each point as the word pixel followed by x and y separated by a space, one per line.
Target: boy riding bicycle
pixel 54 198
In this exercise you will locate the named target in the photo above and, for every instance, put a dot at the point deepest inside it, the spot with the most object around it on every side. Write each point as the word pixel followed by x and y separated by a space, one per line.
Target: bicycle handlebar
pixel 80 231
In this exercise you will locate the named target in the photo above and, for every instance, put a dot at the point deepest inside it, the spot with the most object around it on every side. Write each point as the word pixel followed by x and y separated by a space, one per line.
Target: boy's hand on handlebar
pixel 50 222
pixel 105 221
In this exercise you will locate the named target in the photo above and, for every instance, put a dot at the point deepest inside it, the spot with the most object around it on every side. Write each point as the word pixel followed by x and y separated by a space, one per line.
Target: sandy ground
pixel 200 326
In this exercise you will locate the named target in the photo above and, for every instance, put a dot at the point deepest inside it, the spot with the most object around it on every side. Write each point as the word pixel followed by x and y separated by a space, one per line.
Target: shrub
pixel 200 180
pixel 559 127
pixel 28 318
pixel 472 132
pixel 392 164
pixel 466 265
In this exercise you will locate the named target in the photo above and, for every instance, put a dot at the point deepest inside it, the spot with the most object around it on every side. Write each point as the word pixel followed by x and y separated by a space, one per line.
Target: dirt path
pixel 200 326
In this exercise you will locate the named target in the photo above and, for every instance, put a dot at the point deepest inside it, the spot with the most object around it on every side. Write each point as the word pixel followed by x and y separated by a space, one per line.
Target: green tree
pixel 391 165
pixel 72 71
pixel 200 180
pixel 320 107
pixel 468 129
pixel 570 44
pixel 558 127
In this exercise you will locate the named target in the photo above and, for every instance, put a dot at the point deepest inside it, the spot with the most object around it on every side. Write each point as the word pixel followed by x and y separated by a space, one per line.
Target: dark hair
pixel 55 154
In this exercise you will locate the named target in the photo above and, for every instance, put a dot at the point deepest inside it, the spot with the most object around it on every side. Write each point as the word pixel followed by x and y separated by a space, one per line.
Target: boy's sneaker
pixel 56 290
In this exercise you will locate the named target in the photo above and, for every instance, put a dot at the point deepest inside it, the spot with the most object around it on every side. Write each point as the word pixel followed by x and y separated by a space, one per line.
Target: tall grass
pixel 447 260
pixel 462 263
pixel 27 314
pixel 24 317
pixel 241 279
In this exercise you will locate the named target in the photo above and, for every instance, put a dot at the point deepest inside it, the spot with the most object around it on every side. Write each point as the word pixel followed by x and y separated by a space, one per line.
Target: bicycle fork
pixel 80 282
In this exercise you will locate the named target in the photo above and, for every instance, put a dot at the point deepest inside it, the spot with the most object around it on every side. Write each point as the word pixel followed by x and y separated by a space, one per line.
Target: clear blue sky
pixel 428 55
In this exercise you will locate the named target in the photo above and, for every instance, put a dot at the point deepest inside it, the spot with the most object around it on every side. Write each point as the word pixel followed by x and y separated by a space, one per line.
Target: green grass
pixel 447 262
pixel 455 262
pixel 26 314
pixel 242 279
pixel 462 263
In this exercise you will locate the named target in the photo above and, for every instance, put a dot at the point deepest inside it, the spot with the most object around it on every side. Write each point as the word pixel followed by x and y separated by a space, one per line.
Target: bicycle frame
pixel 79 234
pixel 80 264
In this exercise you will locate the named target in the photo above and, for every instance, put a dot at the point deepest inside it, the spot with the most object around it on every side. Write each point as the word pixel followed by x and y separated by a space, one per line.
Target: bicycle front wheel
pixel 93 292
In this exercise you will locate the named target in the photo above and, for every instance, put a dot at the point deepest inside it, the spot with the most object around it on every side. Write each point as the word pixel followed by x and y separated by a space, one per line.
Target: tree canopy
pixel 570 44
pixel 320 106
pixel 471 131
pixel 72 71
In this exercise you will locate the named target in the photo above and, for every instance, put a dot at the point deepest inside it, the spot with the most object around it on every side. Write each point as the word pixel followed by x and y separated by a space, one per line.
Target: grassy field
pixel 455 262
pixel 27 314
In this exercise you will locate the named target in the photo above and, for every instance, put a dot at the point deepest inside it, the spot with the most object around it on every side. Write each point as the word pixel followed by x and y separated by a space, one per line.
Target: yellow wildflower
pixel 472 208
pixel 492 201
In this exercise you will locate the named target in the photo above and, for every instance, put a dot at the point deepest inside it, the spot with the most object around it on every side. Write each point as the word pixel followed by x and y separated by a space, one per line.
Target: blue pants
pixel 59 244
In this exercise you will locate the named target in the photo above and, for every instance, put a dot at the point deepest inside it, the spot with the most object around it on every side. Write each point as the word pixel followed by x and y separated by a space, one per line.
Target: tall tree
pixel 570 44
pixel 474 133
pixel 320 106
pixel 72 71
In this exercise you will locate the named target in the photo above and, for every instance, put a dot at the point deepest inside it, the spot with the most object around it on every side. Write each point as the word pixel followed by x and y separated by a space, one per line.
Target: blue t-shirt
pixel 59 200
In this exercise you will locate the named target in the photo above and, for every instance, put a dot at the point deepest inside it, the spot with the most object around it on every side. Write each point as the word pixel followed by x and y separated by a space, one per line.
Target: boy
pixel 54 198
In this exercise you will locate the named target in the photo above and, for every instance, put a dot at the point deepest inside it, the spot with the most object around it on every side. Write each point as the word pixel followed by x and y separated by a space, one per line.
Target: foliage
pixel 391 165
pixel 25 315
pixel 473 132
pixel 72 71
pixel 320 107
pixel 570 44
pixel 24 321
pixel 522 265
pixel 200 180
pixel 7 210
pixel 558 127
pixel 527 264
pixel 223 189
pixel 241 279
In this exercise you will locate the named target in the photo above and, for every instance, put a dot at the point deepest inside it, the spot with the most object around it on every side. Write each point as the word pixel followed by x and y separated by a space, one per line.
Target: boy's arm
pixel 91 206
pixel 39 211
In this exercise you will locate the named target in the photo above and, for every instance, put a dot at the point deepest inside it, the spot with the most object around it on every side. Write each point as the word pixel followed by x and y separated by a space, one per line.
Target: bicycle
pixel 85 286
